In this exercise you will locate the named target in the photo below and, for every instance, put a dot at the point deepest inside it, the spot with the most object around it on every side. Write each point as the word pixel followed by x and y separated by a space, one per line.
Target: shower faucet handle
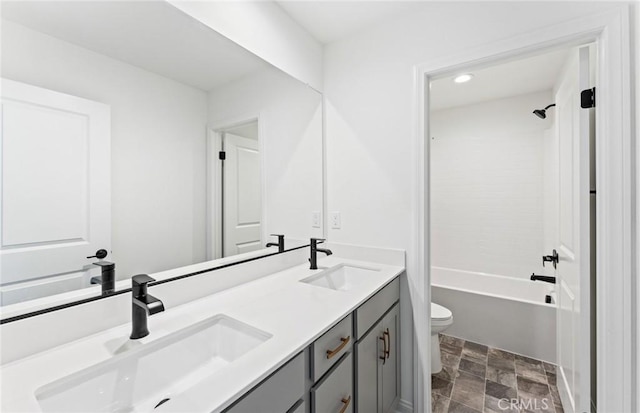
pixel 553 258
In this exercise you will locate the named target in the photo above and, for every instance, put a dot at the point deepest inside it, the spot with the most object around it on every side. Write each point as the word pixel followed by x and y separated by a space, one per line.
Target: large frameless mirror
pixel 136 136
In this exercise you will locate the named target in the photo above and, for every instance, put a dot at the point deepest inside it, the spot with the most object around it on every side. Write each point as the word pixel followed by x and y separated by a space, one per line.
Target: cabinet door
pixel 369 353
pixel 391 329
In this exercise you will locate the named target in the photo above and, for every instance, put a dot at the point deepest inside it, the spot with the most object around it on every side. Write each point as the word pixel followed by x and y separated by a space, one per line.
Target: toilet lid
pixel 440 313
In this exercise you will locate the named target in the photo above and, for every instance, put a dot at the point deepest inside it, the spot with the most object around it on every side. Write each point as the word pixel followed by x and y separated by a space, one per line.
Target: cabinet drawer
pixel 276 394
pixel 335 392
pixel 375 307
pixel 328 349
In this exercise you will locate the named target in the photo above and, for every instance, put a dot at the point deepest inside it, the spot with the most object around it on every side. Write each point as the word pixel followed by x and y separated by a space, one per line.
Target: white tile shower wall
pixel 155 122
pixel 487 164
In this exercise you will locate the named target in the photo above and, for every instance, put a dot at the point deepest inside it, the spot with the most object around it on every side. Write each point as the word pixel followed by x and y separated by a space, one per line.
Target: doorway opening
pixel 512 233
pixel 236 186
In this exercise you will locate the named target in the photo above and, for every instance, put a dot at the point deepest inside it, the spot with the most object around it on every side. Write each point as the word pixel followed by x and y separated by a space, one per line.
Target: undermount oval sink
pixel 142 378
pixel 341 277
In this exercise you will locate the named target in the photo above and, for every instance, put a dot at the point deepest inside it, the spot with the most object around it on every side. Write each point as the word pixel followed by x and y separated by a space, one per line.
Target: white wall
pixel 266 30
pixel 158 141
pixel 487 191
pixel 369 90
pixel 291 144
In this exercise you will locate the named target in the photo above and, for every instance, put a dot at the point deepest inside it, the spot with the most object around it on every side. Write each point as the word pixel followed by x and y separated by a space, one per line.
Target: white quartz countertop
pixel 294 313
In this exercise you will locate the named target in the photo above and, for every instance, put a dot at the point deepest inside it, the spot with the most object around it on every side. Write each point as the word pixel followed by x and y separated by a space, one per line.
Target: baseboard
pixel 404 407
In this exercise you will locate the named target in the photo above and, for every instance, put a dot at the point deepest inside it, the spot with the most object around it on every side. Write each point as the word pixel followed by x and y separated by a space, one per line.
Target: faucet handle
pixel 318 240
pixel 141 279
pixel 105 264
pixel 280 237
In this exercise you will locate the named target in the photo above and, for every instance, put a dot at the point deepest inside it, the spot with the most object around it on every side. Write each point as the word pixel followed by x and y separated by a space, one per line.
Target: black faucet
pixel 280 243
pixel 108 277
pixel 315 250
pixel 544 278
pixel 142 306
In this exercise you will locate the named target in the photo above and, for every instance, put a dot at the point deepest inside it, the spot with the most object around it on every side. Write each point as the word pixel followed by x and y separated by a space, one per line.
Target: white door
pixel 573 271
pixel 241 193
pixel 55 187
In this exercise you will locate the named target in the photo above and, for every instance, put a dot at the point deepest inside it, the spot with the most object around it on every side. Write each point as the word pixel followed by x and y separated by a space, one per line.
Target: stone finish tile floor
pixel 480 379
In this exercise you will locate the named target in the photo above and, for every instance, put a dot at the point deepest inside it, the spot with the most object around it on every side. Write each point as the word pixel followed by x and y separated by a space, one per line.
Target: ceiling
pixel 513 78
pixel 157 37
pixel 329 21
pixel 152 35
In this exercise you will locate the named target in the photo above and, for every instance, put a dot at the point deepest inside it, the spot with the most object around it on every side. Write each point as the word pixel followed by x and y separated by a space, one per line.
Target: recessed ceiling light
pixel 463 78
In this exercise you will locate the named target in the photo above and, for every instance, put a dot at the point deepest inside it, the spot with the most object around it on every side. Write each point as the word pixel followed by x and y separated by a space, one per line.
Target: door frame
pixel 615 205
pixel 215 131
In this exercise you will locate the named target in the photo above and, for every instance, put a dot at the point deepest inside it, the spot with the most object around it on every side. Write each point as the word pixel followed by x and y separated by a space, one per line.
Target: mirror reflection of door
pixel 55 190
pixel 241 191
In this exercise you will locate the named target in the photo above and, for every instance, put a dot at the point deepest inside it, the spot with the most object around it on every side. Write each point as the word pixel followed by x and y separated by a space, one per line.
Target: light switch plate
pixel 315 219
pixel 335 220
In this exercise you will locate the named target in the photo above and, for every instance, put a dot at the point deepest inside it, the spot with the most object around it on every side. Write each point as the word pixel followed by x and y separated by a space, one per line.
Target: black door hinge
pixel 588 98
pixel 222 155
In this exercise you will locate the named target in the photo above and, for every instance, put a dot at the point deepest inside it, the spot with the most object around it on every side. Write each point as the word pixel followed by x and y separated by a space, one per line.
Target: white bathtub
pixel 498 311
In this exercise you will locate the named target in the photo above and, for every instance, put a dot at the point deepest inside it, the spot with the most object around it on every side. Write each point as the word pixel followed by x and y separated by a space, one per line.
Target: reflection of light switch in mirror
pixel 315 219
pixel 335 220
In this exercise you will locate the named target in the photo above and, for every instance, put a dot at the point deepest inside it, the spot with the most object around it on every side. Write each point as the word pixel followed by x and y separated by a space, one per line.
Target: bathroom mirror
pixel 131 127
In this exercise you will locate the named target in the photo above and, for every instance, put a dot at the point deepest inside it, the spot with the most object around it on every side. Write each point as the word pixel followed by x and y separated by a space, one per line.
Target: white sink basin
pixel 341 277
pixel 136 381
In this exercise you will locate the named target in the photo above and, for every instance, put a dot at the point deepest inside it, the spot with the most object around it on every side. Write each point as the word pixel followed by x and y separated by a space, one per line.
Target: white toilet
pixel 441 319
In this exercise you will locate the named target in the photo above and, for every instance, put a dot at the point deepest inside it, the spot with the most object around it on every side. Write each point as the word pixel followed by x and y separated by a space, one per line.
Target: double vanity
pixel 296 340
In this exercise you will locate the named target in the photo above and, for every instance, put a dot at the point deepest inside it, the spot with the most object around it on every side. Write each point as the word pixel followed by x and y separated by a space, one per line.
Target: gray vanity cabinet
pixel 367 360
pixel 389 383
pixel 279 393
pixel 336 375
pixel 377 354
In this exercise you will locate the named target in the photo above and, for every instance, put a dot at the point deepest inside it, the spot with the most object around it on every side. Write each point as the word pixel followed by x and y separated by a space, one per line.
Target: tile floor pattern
pixel 480 379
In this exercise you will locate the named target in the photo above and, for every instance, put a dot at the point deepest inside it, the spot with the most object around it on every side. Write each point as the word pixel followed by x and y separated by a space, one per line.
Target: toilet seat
pixel 440 315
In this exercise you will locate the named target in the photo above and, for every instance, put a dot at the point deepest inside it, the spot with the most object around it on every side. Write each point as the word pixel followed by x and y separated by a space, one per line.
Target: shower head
pixel 542 113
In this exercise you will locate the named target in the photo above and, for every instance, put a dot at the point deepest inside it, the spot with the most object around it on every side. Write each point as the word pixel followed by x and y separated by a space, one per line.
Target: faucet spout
pixel 150 304
pixel 279 244
pixel 107 279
